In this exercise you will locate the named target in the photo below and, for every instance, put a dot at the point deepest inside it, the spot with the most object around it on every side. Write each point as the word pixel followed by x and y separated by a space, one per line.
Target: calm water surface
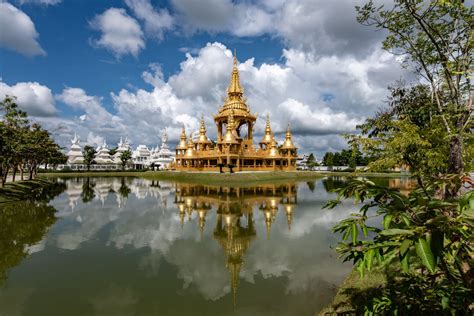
pixel 128 246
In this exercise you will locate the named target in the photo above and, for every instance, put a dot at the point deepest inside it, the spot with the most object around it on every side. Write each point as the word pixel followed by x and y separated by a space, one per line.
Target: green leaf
pixel 370 258
pixel 404 247
pixel 424 252
pixel 405 265
pixel 445 302
pixel 396 231
pixel 387 220
pixel 346 234
pixel 355 232
pixel 365 231
pixel 406 219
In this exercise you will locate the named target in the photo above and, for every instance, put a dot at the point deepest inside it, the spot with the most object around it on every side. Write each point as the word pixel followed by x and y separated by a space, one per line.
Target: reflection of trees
pixel 124 190
pixel 332 183
pixel 23 224
pixel 88 193
pixel 311 185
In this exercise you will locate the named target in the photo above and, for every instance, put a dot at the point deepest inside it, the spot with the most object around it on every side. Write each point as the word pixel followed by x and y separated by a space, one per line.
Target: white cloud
pixel 32 97
pixel 317 26
pixel 156 22
pixel 240 19
pixel 120 33
pixel 42 2
pixel 94 118
pixel 17 31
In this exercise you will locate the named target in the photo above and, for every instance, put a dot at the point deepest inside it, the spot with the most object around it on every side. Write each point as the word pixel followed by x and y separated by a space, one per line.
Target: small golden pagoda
pixel 234 145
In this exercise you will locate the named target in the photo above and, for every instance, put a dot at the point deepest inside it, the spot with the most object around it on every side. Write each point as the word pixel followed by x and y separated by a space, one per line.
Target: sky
pixel 132 68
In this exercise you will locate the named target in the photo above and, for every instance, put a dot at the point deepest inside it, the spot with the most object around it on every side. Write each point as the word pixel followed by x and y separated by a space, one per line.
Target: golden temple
pixel 233 148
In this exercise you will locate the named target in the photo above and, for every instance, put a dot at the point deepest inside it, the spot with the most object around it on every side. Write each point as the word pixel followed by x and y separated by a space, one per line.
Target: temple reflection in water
pixel 235 227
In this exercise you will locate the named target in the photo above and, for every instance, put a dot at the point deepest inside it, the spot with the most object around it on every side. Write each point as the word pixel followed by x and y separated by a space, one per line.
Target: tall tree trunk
pixel 455 164
pixel 14 173
pixel 21 172
pixel 4 176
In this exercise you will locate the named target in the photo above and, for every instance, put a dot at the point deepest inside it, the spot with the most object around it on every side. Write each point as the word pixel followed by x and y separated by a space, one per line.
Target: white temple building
pixel 122 147
pixel 74 155
pixel 163 157
pixel 157 158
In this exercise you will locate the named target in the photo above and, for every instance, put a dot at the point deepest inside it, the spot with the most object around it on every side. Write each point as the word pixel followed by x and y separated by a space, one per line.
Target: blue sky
pixel 105 69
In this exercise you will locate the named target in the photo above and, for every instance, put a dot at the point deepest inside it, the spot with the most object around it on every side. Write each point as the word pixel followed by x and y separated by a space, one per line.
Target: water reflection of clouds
pixel 301 255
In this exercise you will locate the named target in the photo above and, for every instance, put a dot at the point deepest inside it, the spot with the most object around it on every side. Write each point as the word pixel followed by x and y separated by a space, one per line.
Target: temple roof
pixel 234 101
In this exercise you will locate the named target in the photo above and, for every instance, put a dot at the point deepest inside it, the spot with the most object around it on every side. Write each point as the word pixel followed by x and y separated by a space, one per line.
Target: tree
pixel 328 159
pixel 125 157
pixel 434 37
pixel 14 123
pixel 89 153
pixel 21 145
pixel 112 151
pixel 425 243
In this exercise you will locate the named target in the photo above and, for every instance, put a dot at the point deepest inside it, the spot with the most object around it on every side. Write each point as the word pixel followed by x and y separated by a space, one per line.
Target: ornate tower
pixel 235 103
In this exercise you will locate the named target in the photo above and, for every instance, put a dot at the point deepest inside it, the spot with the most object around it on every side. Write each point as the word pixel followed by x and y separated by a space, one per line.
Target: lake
pixel 130 246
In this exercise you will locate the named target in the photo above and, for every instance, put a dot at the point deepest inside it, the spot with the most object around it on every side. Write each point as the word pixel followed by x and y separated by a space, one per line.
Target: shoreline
pixel 224 178
pixel 21 190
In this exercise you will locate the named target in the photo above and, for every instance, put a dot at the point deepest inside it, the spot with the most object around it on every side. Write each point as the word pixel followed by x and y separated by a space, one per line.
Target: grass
pixel 354 290
pixel 21 190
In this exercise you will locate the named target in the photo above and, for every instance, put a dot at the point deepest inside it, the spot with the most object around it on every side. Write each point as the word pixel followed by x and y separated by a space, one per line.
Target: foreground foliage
pixel 428 240
pixel 422 241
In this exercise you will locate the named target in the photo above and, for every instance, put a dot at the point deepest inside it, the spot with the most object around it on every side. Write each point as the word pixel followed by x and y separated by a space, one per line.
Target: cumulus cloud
pixel 156 21
pixel 32 97
pixel 241 19
pixel 317 26
pixel 18 33
pixel 94 117
pixel 120 33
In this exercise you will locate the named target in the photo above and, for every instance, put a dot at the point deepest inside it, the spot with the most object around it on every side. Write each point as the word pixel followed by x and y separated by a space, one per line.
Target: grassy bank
pixel 28 189
pixel 353 291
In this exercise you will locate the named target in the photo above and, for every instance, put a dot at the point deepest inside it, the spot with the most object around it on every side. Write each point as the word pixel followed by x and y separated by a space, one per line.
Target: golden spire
pixel 267 138
pixel 288 144
pixel 273 148
pixel 202 132
pixel 229 136
pixel 235 91
pixel 190 149
pixel 182 140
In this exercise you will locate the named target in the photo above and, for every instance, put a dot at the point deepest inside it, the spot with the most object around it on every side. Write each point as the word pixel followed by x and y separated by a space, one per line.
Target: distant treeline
pixel 346 157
